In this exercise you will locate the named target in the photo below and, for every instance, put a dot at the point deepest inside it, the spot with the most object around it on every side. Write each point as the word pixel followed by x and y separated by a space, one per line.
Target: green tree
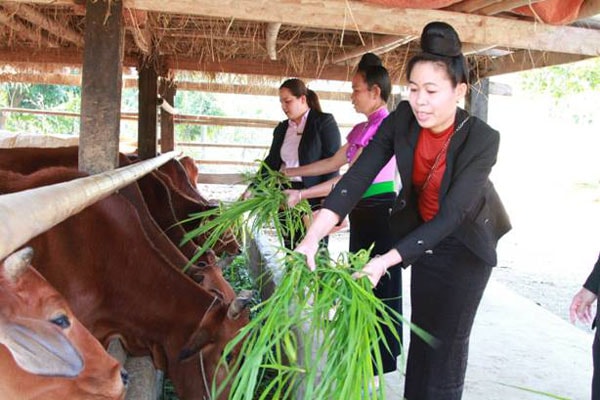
pixel 40 97
pixel 562 80
pixel 196 103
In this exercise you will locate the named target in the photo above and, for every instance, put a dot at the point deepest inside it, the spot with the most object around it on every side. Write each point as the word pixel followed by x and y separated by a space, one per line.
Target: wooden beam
pixel 526 60
pixel 366 17
pixel 101 86
pixel 383 45
pixel 24 31
pixel 271 39
pixel 276 69
pixel 29 13
pixel 252 89
pixel 135 23
pixel 147 96
pixel 589 8
pixel 503 6
pixel 470 6
pixel 47 57
pixel 167 90
pixel 55 78
pixel 42 78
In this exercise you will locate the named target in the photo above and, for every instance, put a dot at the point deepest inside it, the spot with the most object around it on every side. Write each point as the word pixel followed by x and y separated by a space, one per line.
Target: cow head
pixel 203 352
pixel 46 352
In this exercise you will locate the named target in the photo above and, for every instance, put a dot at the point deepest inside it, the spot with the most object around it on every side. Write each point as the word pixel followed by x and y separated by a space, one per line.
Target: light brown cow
pixel 119 284
pixel 45 352
pixel 156 210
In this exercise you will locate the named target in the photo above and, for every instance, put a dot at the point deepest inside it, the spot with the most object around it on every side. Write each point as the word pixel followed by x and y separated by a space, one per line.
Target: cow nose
pixel 124 376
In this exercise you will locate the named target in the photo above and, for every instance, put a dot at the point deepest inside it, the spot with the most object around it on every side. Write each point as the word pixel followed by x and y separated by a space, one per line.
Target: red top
pixel 430 146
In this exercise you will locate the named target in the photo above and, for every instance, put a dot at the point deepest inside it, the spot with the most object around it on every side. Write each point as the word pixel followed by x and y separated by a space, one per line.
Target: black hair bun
pixel 441 39
pixel 369 60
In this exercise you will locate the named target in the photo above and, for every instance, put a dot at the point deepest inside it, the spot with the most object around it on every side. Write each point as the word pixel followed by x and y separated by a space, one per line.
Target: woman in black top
pixel 447 218
pixel 308 135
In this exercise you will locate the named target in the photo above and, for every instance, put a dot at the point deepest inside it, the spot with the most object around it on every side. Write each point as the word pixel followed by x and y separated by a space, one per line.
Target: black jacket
pixel 320 139
pixel 592 283
pixel 470 209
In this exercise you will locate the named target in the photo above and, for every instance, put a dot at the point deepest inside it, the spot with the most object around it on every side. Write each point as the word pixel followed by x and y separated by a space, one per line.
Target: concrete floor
pixel 518 343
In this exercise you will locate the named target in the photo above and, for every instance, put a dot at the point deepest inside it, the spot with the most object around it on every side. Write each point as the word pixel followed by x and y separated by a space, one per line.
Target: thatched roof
pixel 306 38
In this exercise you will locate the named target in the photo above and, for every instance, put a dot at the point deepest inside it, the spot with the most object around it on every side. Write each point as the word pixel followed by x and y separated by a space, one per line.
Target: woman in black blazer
pixel 447 218
pixel 308 135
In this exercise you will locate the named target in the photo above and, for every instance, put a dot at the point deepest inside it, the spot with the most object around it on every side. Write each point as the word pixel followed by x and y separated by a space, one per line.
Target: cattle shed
pixel 248 46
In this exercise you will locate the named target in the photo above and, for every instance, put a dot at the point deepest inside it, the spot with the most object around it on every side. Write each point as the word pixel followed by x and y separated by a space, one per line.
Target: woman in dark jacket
pixel 447 218
pixel 308 135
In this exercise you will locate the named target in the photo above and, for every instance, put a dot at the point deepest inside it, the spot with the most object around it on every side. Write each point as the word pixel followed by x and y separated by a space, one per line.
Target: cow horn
pixel 17 263
pixel 237 306
pixel 26 214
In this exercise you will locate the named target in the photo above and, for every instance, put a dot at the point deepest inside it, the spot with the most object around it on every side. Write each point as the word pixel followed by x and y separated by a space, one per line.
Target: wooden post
pixel 101 86
pixel 148 90
pixel 478 99
pixel 167 90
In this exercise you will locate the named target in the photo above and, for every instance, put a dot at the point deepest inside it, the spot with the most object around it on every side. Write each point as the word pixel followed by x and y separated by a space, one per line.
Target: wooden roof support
pixel 42 78
pixel 24 31
pixel 271 39
pixel 470 6
pixel 35 17
pixel 503 6
pixel 101 86
pixel 525 60
pixel 382 46
pixel 135 22
pixel 589 8
pixel 332 72
pixel 147 97
pixel 333 14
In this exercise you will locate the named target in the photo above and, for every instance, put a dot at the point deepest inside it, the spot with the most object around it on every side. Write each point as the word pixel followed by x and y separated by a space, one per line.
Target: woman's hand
pixel 581 306
pixel 374 270
pixel 321 225
pixel 378 265
pixel 293 197
pixel 246 195
pixel 309 249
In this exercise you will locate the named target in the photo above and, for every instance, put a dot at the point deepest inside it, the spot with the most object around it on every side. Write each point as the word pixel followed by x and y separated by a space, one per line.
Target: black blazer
pixel 320 139
pixel 592 283
pixel 470 208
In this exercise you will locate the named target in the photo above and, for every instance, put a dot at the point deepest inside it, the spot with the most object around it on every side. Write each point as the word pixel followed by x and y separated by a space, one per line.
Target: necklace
pixel 439 155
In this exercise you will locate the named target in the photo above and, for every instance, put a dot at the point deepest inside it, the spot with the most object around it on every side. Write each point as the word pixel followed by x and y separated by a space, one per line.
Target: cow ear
pixel 239 304
pixel 39 348
pixel 17 263
pixel 197 341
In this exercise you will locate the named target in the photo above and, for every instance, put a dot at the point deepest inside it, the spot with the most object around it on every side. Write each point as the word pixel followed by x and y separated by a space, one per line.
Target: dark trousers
pixel 446 289
pixel 369 223
pixel 291 241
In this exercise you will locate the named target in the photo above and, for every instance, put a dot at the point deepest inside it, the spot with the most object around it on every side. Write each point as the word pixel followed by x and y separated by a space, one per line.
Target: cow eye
pixel 61 321
pixel 229 358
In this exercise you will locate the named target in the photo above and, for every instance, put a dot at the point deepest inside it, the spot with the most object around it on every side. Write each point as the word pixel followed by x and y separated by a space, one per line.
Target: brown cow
pixel 205 271
pixel 157 195
pixel 191 169
pixel 183 177
pixel 45 352
pixel 120 285
pixel 183 201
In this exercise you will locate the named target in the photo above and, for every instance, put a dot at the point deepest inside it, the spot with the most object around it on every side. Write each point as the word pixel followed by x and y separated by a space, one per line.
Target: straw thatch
pixel 270 40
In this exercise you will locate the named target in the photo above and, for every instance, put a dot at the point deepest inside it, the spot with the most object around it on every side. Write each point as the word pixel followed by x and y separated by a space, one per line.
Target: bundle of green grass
pixel 317 336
